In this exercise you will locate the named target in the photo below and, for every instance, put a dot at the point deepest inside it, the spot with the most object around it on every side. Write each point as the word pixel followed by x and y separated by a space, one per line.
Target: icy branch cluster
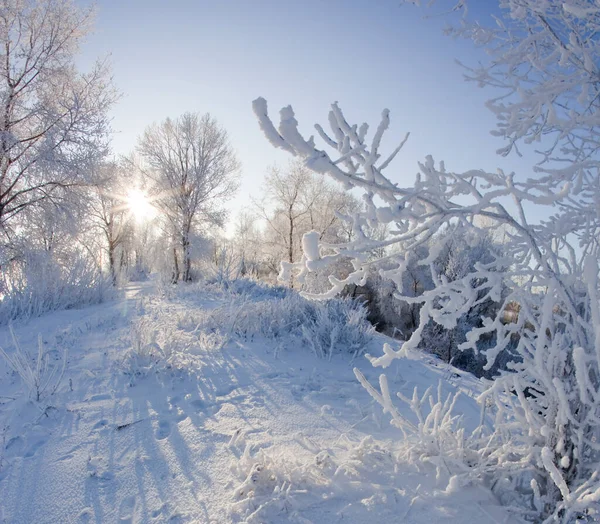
pixel 547 316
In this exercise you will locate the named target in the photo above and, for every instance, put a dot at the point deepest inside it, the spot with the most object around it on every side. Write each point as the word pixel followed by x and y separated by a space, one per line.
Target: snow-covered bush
pixel 272 484
pixel 358 481
pixel 41 374
pixel 337 323
pixel 253 289
pixel 394 310
pixel 434 433
pixel 253 309
pixel 225 265
pixel 35 282
pixel 324 327
pixel 162 342
pixel 145 355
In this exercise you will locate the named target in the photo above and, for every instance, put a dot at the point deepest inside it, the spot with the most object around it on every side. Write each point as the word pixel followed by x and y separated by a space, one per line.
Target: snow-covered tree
pixel 547 408
pixel 400 317
pixel 248 241
pixel 142 240
pixel 53 262
pixel 551 434
pixel 297 201
pixel 54 130
pixel 109 212
pixel 54 123
pixel 192 170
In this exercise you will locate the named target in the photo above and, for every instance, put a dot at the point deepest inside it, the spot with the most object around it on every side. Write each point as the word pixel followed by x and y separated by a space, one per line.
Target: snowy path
pixel 183 445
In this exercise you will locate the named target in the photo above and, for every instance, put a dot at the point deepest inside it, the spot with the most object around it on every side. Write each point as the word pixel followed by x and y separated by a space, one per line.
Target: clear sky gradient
pixel 217 56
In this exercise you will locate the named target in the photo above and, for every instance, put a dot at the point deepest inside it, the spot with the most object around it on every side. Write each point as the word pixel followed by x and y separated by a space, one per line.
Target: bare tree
pixel 53 120
pixel 287 191
pixel 193 170
pixel 248 241
pixel 108 209
pixel 297 201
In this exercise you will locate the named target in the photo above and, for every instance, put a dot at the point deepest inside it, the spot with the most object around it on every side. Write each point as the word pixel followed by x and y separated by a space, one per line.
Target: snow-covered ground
pixel 228 429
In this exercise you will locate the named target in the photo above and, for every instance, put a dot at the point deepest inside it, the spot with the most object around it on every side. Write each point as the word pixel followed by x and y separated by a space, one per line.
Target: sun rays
pixel 140 206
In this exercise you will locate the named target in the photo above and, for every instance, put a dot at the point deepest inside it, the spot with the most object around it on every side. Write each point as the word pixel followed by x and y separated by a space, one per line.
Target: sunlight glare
pixel 140 206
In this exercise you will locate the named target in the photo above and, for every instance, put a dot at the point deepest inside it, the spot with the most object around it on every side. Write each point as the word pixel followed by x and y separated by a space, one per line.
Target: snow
pixel 260 109
pixel 578 11
pixel 227 429
pixel 310 245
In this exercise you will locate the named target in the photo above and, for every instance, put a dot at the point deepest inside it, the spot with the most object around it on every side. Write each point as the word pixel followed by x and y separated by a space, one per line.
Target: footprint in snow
pixel 33 449
pixel 100 396
pixel 127 509
pixel 204 408
pixel 177 518
pixel 160 512
pixel 227 390
pixel 272 375
pixel 98 469
pixel 100 424
pixel 162 515
pixel 14 446
pixel 86 515
pixel 179 415
pixel 164 430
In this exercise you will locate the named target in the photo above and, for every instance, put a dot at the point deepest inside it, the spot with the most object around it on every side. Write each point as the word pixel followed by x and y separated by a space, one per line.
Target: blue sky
pixel 217 56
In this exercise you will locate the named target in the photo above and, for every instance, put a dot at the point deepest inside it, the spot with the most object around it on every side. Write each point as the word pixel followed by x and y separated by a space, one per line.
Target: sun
pixel 140 205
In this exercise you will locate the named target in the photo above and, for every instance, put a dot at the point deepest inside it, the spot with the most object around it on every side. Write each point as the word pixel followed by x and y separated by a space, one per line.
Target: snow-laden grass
pixel 273 484
pixel 159 346
pixel 250 310
pixel 247 311
pixel 211 423
pixel 364 480
pixel 40 375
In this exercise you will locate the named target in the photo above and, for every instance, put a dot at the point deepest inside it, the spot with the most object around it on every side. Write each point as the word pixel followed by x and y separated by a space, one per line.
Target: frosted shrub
pixel 256 289
pixel 337 323
pixel 41 375
pixel 214 341
pixel 272 485
pixel 435 433
pixel 158 345
pixel 255 310
pixel 145 354
pixel 355 479
pixel 36 283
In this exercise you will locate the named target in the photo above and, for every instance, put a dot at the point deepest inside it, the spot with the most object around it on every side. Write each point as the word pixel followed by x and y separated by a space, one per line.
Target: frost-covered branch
pixel 537 273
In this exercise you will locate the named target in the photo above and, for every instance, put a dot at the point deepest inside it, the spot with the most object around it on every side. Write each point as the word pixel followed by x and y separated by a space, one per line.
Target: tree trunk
pixel 138 261
pixel 123 262
pixel 175 276
pixel 187 259
pixel 291 249
pixel 111 262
